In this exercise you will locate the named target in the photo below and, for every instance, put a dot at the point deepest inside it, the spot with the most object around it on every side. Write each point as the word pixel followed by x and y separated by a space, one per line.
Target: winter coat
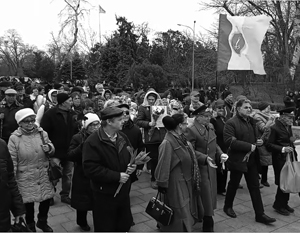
pixel 81 191
pixel 280 136
pixel 31 164
pixel 174 172
pixel 144 118
pixel 239 136
pixel 10 197
pixel 265 156
pixel 60 131
pixel 9 124
pixel 204 142
pixel 103 161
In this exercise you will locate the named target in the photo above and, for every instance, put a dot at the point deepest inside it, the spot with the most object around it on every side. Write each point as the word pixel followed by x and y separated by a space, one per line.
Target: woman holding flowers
pixel 178 175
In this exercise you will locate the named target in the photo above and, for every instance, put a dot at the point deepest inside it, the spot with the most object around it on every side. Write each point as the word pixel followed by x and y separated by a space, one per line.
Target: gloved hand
pixel 162 190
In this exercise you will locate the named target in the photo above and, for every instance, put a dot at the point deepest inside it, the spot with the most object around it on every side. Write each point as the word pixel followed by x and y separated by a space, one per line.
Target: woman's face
pixel 76 101
pixel 88 110
pixel 101 103
pixel 35 92
pixel 54 97
pixel 28 123
pixel 42 92
pixel 107 96
pixel 220 110
pixel 93 127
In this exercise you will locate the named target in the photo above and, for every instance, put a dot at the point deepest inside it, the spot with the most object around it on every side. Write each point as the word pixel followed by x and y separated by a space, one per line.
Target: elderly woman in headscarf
pixel 51 99
pixel 81 191
pixel 30 147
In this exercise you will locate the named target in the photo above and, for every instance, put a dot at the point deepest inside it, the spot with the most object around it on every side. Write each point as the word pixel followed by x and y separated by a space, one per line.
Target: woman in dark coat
pixel 178 176
pixel 281 143
pixel 10 197
pixel 81 192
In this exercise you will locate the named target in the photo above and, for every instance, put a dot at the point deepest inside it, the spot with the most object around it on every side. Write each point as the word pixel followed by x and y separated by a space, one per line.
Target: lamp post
pixel 193 56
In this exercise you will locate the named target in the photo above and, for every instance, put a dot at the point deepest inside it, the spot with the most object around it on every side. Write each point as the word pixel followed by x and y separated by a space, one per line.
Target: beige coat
pixel 31 165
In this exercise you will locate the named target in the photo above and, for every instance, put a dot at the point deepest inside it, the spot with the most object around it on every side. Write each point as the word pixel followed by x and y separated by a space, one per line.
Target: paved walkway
pixel 62 217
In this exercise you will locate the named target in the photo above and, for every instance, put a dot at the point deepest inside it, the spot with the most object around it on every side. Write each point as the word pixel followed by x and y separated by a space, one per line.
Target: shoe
pixel 265 183
pixel 289 209
pixel 133 223
pixel 66 200
pixel 230 212
pixel 154 185
pixel 241 186
pixel 222 194
pixel 31 226
pixel 264 219
pixel 85 228
pixel 282 211
pixel 52 202
pixel 44 226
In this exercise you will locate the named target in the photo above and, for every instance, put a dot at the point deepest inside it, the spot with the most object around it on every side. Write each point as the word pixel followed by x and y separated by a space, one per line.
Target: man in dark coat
pixel 106 163
pixel 281 143
pixel 8 108
pixel 10 197
pixel 60 124
pixel 240 135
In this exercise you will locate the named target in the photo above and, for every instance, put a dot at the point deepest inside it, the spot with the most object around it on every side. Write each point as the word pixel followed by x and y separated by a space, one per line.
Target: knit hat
pixel 91 117
pixel 219 103
pixel 62 97
pixel 226 93
pixel 23 113
pixel 262 105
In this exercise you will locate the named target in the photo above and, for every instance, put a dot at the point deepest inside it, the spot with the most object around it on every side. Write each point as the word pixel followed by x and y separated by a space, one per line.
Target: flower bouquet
pixel 157 113
pixel 137 159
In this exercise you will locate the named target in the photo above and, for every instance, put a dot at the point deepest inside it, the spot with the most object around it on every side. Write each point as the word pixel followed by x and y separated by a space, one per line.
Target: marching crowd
pixel 194 140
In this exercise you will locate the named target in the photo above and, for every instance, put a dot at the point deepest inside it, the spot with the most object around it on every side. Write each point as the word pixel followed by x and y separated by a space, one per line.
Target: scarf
pixel 196 178
pixel 28 132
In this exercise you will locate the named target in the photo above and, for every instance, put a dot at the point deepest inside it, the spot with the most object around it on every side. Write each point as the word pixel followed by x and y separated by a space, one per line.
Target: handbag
pixel 21 226
pixel 290 175
pixel 159 211
pixel 54 170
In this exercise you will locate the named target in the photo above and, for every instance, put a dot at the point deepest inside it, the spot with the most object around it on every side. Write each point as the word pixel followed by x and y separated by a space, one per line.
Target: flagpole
pixel 99 27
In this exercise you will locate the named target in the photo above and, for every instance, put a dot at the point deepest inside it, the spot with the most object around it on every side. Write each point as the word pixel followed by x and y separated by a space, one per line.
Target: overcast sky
pixel 35 19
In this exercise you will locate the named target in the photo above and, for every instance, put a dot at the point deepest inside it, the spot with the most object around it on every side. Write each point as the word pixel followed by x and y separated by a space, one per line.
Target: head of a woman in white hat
pixel 26 119
pixel 91 122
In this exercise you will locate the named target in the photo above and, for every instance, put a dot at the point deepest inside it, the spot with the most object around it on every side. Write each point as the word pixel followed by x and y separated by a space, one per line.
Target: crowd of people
pixel 201 138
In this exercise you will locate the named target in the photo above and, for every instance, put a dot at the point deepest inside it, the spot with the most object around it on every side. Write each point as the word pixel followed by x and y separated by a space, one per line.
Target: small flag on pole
pixel 101 10
pixel 239 45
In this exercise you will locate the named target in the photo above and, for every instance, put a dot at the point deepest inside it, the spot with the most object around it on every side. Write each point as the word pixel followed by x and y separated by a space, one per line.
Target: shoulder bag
pixel 158 210
pixel 54 170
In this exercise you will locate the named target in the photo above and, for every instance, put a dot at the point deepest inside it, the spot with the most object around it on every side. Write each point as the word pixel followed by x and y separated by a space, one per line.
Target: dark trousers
pixel 43 211
pixel 281 198
pixel 264 173
pixel 81 217
pixel 252 181
pixel 221 181
pixel 153 149
pixel 111 213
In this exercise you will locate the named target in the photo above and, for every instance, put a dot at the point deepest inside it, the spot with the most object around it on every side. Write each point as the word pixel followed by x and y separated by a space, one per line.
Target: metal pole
pixel 71 67
pixel 193 62
pixel 99 27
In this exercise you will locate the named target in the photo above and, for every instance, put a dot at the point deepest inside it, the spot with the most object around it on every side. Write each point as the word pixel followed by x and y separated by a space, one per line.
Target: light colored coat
pixel 174 172
pixel 205 144
pixel 31 165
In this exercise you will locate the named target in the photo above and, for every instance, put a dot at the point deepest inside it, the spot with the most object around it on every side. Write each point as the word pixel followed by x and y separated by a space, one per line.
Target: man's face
pixel 184 125
pixel 35 92
pixel 87 88
pixel 220 110
pixel 100 103
pixel 151 100
pixel 126 114
pixel 11 98
pixel 99 89
pixel 68 104
pixel 245 110
pixel 21 92
pixel 84 95
pixel 230 97
pixel 42 92
pixel 204 118
pixel 195 98
pixel 107 96
pixel 88 110
pixel 117 123
pixel 54 97
pixel 289 119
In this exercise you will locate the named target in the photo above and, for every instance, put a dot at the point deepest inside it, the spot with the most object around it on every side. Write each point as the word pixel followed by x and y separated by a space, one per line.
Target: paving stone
pixel 148 191
pixel 139 217
pixel 147 197
pixel 58 219
pixel 144 185
pixel 71 226
pixel 137 209
pixel 222 227
pixel 60 210
pixel 136 200
pixel 57 228
pixel 237 223
pixel 259 227
pixel 218 218
pixel 135 193
pixel 141 227
pixel 241 209
pixel 71 215
pixel 134 187
pixel 152 224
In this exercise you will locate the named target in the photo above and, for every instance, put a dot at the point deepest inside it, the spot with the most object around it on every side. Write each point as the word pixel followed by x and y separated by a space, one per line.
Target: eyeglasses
pixel 95 124
pixel 29 121
pixel 126 112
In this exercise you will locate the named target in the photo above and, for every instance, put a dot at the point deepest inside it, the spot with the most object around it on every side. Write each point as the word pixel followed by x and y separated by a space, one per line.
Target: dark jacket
pixel 103 161
pixel 280 136
pixel 10 197
pixel 59 130
pixel 134 135
pixel 81 191
pixel 239 136
pixel 9 122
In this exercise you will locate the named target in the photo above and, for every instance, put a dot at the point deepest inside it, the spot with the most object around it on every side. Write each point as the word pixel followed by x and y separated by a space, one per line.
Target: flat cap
pixel 287 111
pixel 111 112
pixel 10 92
pixel 194 93
pixel 201 110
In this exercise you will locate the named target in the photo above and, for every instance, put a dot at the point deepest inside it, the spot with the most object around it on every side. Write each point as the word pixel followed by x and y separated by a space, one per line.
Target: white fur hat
pixel 23 113
pixel 91 117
